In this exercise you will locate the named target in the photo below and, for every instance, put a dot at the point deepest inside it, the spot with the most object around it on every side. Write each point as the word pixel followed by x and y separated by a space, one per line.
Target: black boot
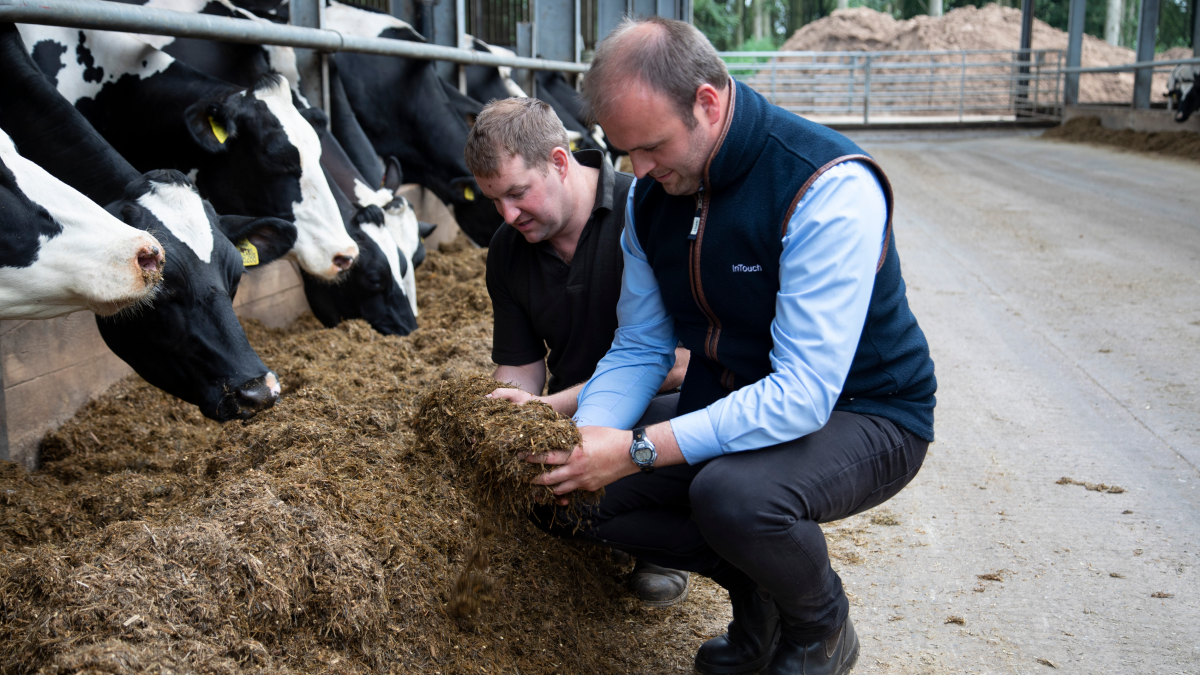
pixel 750 642
pixel 658 586
pixel 835 655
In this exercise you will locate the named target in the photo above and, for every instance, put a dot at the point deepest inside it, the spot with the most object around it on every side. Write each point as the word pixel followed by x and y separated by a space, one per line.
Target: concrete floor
pixel 1059 287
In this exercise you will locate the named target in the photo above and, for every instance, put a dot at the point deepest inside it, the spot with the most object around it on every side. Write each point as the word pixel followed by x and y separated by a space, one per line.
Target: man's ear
pixel 211 125
pixel 560 159
pixel 708 104
pixel 393 175
pixel 260 240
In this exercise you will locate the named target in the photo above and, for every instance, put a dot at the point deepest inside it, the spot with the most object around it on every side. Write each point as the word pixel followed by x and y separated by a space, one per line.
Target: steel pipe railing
pixel 100 15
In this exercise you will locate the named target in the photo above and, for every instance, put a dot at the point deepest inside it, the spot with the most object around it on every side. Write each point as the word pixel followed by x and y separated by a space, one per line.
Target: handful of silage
pixel 487 440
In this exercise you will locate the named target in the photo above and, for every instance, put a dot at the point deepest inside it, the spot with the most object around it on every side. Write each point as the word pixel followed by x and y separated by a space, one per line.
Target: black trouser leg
pixel 754 516
pixel 761 510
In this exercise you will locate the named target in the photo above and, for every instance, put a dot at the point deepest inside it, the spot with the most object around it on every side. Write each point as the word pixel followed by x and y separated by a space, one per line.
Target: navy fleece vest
pixel 765 162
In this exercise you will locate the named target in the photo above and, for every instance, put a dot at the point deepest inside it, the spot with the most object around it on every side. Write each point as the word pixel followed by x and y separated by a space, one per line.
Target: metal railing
pixel 1151 68
pixel 890 86
pixel 114 16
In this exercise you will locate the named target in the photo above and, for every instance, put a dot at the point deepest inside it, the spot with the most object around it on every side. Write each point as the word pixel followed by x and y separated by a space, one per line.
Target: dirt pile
pixel 313 538
pixel 1181 144
pixel 970 28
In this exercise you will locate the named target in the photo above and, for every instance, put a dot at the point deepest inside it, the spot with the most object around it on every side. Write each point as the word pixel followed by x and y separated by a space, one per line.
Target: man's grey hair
pixel 671 57
pixel 514 127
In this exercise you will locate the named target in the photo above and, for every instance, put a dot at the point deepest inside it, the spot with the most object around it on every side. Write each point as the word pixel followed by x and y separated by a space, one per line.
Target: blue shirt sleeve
pixel 826 275
pixel 643 348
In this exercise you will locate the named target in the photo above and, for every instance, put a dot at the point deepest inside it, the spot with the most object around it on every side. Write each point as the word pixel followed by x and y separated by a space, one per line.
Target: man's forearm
pixel 565 402
pixel 530 377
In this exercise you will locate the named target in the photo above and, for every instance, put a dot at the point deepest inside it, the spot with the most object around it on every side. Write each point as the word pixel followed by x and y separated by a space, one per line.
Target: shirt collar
pixel 606 184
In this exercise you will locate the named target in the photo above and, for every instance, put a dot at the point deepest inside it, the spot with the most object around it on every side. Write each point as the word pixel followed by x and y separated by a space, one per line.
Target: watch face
pixel 643 454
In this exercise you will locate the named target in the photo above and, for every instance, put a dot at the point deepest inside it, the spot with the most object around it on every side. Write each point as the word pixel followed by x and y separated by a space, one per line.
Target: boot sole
pixel 751 667
pixel 850 662
pixel 673 601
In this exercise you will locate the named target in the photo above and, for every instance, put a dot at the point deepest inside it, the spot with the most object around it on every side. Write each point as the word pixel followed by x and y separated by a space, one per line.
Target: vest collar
pixel 743 139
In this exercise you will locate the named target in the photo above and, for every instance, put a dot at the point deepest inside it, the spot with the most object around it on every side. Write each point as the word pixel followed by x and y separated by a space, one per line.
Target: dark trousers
pixel 752 518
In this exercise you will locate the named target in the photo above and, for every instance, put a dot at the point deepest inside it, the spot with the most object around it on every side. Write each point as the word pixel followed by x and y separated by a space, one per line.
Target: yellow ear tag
pixel 468 193
pixel 249 253
pixel 218 130
pixel 574 146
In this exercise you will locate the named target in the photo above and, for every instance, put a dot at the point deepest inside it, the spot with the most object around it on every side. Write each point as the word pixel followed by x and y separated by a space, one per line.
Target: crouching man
pixel 762 242
pixel 554 270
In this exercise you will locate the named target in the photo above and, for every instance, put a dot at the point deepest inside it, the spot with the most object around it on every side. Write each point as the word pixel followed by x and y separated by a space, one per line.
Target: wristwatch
pixel 642 451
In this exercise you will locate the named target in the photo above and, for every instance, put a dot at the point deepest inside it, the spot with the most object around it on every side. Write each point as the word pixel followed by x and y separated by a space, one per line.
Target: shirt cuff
pixel 596 416
pixel 696 436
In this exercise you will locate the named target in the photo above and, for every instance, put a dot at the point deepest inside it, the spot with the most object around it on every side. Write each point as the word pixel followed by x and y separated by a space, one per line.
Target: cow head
pixel 267 163
pixel 189 343
pixel 61 253
pixel 375 289
pixel 1181 89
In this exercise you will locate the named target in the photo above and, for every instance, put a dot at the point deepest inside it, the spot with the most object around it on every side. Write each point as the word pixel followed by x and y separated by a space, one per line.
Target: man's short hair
pixel 671 57
pixel 514 127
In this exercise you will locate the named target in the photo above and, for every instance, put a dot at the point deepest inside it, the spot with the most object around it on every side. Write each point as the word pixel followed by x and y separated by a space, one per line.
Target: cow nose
pixel 150 259
pixel 254 396
pixel 343 262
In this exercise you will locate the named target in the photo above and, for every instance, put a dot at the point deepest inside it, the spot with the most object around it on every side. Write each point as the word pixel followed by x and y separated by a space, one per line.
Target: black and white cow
pixel 61 253
pixel 381 288
pixel 249 150
pixel 188 342
pixel 568 103
pixel 407 112
pixel 1183 92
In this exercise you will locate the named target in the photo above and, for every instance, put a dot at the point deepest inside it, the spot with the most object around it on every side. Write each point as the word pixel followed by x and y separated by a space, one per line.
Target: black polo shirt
pixel 539 302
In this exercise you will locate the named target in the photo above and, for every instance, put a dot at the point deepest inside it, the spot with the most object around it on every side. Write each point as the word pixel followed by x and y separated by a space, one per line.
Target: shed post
pixel 1074 49
pixel 460 34
pixel 1196 28
pixel 554 29
pixel 524 78
pixel 1023 55
pixel 1147 31
pixel 313 65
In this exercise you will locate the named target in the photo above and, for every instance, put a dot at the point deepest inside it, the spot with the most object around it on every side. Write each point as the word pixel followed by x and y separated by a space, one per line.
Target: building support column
pixel 312 65
pixel 1074 50
pixel 1147 31
pixel 1022 92
pixel 1112 21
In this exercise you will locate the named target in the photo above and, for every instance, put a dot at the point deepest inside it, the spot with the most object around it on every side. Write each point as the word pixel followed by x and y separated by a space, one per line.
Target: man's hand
pixel 518 396
pixel 602 458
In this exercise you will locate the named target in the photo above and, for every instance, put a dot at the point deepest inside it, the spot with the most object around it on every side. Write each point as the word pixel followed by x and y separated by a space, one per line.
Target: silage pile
pixel 318 537
pixel 1181 144
pixel 972 28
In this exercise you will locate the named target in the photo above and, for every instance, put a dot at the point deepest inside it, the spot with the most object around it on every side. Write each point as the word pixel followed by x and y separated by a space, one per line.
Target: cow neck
pixel 51 133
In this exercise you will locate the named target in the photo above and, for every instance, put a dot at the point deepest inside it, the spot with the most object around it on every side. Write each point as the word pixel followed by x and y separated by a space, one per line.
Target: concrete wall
pixel 52 368
pixel 1113 117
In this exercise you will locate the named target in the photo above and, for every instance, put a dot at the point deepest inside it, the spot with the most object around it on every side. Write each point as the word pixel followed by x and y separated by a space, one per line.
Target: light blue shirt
pixel 826 274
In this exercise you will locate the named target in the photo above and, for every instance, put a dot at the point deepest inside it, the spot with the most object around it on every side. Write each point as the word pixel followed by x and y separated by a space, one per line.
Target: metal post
pixel 1037 81
pixel 935 7
pixel 1196 28
pixel 1026 45
pixel 578 34
pixel 850 93
pixel 524 78
pixel 1074 48
pixel 1147 31
pixel 312 65
pixel 460 33
pixel 867 91
pixel 773 81
pixel 1112 22
pixel 962 86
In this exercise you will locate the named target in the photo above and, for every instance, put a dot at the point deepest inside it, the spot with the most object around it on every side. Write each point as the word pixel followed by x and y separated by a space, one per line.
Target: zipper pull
pixel 699 212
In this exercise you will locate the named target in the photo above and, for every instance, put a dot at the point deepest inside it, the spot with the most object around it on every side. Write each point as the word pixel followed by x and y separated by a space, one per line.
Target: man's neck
pixel 581 190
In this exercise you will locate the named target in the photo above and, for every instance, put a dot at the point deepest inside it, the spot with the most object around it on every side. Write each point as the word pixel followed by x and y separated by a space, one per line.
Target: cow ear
pixel 211 126
pixel 259 240
pixel 393 175
pixel 425 229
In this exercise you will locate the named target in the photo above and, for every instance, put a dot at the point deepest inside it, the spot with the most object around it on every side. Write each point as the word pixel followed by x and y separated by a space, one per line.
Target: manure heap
pixel 972 28
pixel 316 538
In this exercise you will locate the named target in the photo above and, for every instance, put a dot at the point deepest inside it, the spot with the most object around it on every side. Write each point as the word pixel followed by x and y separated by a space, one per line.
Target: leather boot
pixel 658 586
pixel 751 640
pixel 835 655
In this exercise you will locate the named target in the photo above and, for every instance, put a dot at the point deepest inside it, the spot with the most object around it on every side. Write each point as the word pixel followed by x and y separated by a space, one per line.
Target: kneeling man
pixel 763 242
pixel 554 269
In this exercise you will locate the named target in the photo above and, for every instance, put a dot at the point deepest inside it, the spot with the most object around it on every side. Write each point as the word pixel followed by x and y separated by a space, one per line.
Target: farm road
pixel 1059 286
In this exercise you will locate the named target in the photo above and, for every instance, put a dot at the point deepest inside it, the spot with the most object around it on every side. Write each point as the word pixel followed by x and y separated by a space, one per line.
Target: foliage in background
pixel 718 19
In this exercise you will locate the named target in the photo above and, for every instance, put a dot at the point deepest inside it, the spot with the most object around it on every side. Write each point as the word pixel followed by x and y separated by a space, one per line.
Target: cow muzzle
pixel 150 261
pixel 257 395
